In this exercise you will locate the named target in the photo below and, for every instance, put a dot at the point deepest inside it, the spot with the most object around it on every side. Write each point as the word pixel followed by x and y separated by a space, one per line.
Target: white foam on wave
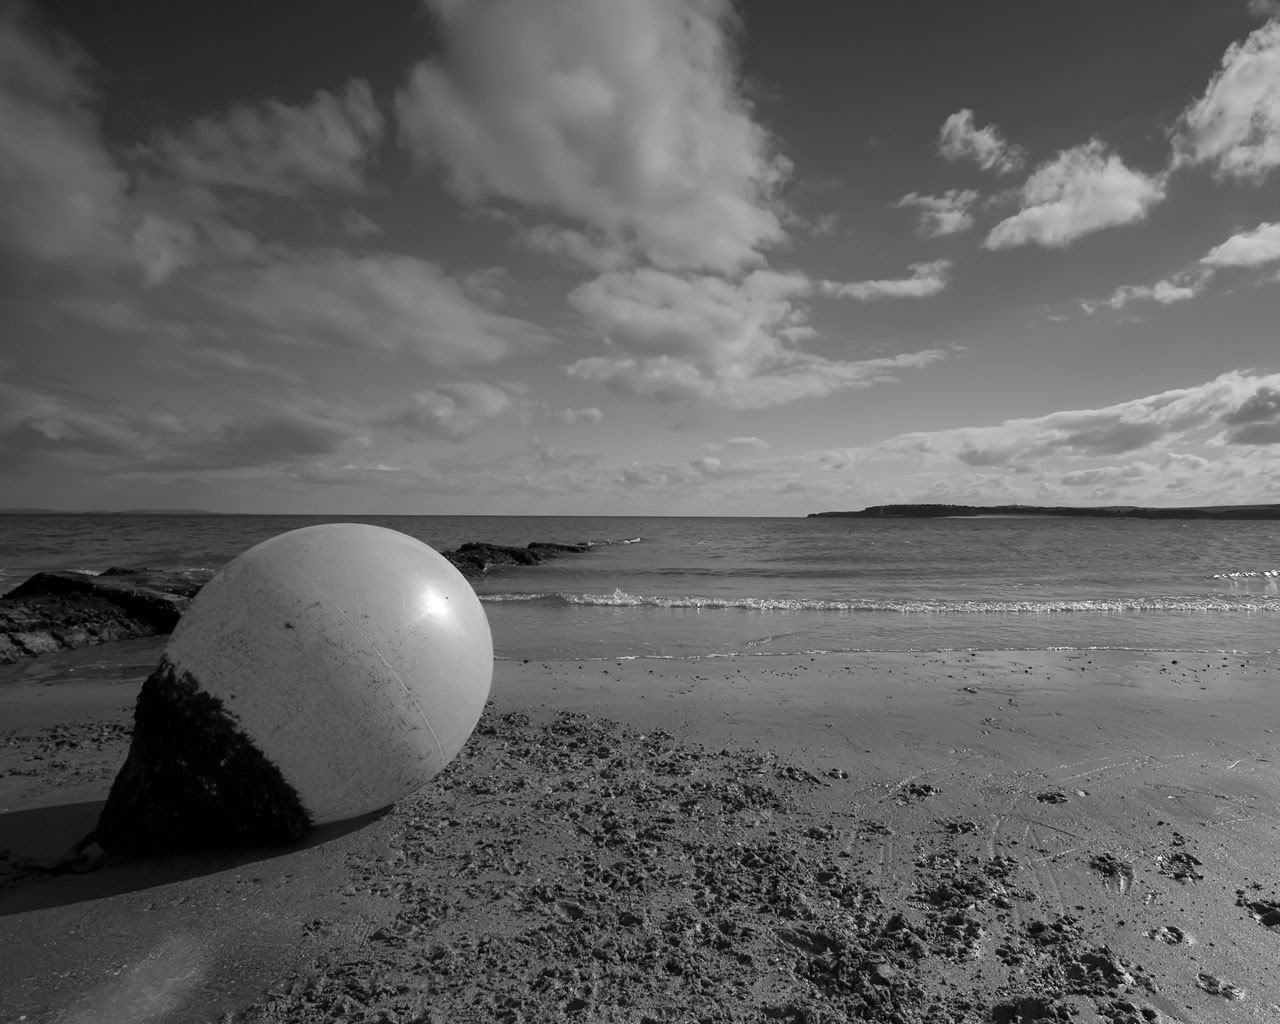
pixel 621 599
pixel 1248 574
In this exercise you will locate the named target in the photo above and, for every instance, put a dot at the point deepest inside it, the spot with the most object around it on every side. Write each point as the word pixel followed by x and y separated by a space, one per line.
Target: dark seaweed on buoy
pixel 193 779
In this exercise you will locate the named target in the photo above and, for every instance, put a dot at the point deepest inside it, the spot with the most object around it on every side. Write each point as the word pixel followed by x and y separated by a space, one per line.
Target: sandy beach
pixel 1032 836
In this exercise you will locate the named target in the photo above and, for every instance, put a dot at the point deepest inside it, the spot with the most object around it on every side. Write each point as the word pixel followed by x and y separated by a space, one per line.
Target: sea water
pixel 689 587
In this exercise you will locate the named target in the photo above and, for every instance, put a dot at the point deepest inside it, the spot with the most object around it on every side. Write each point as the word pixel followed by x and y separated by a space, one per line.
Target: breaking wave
pixel 621 599
pixel 1249 574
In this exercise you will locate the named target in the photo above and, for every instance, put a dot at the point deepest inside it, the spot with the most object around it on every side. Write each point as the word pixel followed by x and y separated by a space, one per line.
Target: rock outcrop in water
pixel 476 558
pixel 54 611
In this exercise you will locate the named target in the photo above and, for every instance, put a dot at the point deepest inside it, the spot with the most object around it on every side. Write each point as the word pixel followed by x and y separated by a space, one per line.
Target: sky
pixel 638 257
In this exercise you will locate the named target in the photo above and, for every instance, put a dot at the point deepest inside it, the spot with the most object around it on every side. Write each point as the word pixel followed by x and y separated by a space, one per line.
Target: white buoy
pixel 321 675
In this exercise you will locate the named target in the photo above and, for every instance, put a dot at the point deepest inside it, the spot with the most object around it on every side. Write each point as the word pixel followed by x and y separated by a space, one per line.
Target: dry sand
pixel 949 837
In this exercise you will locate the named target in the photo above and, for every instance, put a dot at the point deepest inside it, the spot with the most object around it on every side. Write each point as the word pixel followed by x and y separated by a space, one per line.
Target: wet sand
pixel 910 837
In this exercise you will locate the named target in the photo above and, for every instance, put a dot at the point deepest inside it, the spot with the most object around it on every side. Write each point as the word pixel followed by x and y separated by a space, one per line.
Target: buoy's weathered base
pixel 193 779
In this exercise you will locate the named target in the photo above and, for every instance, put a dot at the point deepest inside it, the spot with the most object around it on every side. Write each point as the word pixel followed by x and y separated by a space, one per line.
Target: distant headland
pixel 1064 511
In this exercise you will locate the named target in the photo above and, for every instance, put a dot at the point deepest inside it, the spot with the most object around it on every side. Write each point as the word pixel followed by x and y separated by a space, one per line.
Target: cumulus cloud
pixel 1247 248
pixel 266 440
pixel 1211 443
pixel 572 417
pixel 1164 292
pixel 1242 401
pixel 1166 473
pixel 1256 420
pixel 454 410
pixel 1234 127
pixel 36 427
pixel 825 224
pixel 747 442
pixel 710 318
pixel 535 471
pixel 788 377
pixel 704 337
pixel 1083 190
pixel 1102 475
pixel 959 139
pixel 72 430
pixel 70 203
pixel 279 149
pixel 1258 433
pixel 63 196
pixel 357 225
pixel 623 115
pixel 621 126
pixel 164 246
pixel 696 474
pixel 199 361
pixel 1261 406
pixel 711 468
pixel 575 247
pixel 926 279
pixel 947 214
pixel 375 301
pixel 1264 8
pixel 97 222
pixel 486 285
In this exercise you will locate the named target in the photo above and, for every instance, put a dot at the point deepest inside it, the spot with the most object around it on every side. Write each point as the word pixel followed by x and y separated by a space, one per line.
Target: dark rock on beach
pixel 55 611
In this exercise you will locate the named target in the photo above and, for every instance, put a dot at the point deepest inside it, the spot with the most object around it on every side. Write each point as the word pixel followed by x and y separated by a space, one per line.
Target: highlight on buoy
pixel 321 675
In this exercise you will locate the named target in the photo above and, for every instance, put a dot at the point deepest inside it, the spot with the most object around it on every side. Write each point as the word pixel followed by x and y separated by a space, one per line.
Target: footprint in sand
pixel 1265 912
pixel 1181 866
pixel 1110 866
pixel 1216 986
pixel 914 791
pixel 1170 934
pixel 1027 1008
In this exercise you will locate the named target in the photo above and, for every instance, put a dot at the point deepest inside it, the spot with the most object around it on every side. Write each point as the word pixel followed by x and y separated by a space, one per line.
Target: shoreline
pixel 1149 767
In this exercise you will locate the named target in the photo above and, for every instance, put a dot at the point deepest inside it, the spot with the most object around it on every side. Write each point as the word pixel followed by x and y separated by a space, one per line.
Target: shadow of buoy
pixel 36 840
